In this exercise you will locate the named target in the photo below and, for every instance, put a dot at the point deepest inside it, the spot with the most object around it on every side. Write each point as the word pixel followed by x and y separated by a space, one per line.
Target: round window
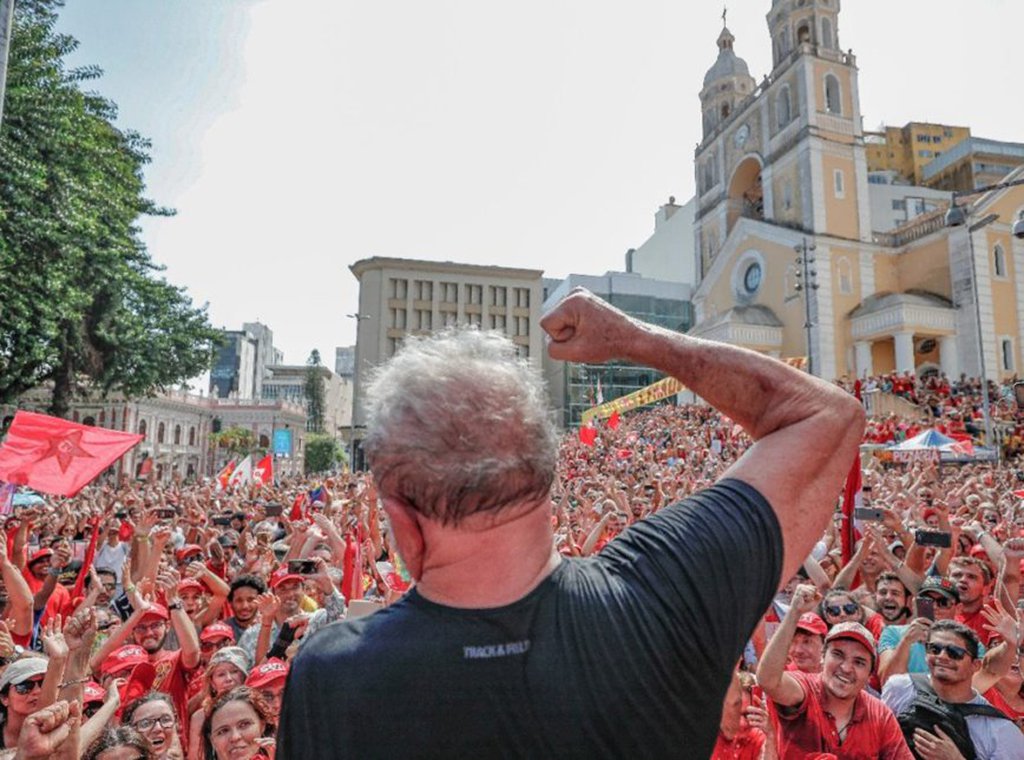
pixel 752 278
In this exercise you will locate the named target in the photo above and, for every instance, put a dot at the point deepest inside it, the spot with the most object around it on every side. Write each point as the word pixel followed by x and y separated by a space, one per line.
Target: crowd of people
pixel 164 617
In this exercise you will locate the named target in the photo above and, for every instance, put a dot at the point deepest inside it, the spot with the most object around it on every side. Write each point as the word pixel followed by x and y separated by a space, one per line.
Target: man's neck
pixel 491 567
pixel 840 709
pixel 954 693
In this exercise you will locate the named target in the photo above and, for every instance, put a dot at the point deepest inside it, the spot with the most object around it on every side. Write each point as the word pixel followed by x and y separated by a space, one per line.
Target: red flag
pixel 56 456
pixel 90 552
pixel 351 581
pixel 225 475
pixel 263 473
pixel 613 421
pixel 851 500
pixel 296 513
pixel 145 468
pixel 588 435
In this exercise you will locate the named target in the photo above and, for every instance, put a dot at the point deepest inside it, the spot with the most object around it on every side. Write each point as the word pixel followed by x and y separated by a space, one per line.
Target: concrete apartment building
pixel 398 297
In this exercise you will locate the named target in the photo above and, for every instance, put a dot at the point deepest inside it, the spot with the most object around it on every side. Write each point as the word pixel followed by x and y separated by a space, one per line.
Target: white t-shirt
pixel 111 558
pixel 994 739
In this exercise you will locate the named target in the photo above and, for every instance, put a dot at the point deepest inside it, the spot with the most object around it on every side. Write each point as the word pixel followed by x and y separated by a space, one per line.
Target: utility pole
pixel 6 29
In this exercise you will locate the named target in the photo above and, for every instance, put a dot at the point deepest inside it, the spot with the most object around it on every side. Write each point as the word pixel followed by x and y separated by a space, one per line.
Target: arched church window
pixel 832 101
pixel 999 257
pixel 782 109
pixel 844 273
pixel 725 110
pixel 826 33
pixel 803 33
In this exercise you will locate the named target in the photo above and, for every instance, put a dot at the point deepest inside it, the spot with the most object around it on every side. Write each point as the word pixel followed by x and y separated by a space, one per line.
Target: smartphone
pixel 272 509
pixel 757 693
pixel 226 520
pixel 925 607
pixel 302 566
pixel 868 514
pixel 120 514
pixel 933 538
pixel 165 513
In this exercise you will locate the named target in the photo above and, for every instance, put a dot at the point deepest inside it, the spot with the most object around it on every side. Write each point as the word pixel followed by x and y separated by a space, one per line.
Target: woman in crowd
pixel 121 743
pixel 21 686
pixel 153 718
pixel 228 669
pixel 237 726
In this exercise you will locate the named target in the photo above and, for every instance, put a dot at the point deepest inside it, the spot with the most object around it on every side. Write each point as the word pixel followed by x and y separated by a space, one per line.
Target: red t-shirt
pixel 745 745
pixel 873 732
pixel 58 601
pixel 998 702
pixel 172 678
pixel 976 622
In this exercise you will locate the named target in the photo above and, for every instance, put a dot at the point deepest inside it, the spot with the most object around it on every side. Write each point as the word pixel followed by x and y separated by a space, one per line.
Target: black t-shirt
pixel 626 654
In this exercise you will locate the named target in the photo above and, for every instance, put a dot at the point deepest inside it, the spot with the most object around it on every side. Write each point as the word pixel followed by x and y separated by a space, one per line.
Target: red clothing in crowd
pixel 976 622
pixel 745 745
pixel 873 733
pixel 997 701
pixel 59 601
pixel 172 678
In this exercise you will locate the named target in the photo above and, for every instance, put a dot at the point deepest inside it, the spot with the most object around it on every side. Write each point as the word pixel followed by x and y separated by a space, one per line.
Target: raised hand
pixel 167 581
pixel 805 598
pixel 80 629
pixel 45 731
pixel 54 645
pixel 267 604
pixel 1002 622
pixel 583 327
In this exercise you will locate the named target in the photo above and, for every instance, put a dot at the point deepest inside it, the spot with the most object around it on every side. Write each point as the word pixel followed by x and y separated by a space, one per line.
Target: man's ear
pixel 405 526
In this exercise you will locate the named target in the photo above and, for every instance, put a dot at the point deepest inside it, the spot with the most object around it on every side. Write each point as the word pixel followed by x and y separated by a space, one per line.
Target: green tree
pixel 322 453
pixel 313 389
pixel 82 302
pixel 238 441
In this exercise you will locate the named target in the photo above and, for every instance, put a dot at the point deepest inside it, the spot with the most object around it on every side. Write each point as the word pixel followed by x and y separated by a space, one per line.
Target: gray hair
pixel 459 424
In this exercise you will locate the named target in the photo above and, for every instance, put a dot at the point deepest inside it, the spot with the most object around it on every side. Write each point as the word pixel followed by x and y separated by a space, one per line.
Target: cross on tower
pixel 725 10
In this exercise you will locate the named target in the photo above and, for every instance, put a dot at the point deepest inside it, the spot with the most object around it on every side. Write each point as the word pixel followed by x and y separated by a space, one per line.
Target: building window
pixel 450 292
pixel 787 195
pixel 826 33
pixel 832 99
pixel 393 345
pixel 925 154
pixel 999 257
pixel 398 288
pixel 782 110
pixel 522 325
pixel 423 290
pixel 474 319
pixel 449 318
pixel 397 319
pixel 523 352
pixel 191 436
pixel 423 319
pixel 177 435
pixel 844 272
pixel 899 204
pixel 522 298
pixel 840 183
pixel 923 138
pixel 1006 346
pixel 160 432
pixel 498 322
pixel 498 295
pixel 475 294
pixel 142 429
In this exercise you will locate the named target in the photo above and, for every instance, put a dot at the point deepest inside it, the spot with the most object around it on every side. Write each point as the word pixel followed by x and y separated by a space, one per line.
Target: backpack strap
pixel 986 710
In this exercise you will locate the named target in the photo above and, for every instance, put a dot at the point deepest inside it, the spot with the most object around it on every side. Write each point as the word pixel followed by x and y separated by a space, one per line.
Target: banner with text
pixel 667 386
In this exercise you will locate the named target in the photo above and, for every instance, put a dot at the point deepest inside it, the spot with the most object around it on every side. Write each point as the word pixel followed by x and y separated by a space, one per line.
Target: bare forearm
pixel 773 661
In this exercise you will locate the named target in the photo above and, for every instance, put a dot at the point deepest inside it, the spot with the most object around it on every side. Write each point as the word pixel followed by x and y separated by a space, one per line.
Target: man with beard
pixel 275 607
pixel 828 712
pixel 891 599
pixel 953 659
pixel 148 627
pixel 245 590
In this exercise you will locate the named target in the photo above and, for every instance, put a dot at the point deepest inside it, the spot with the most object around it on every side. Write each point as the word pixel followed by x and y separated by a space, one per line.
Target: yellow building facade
pixel 908 149
pixel 783 165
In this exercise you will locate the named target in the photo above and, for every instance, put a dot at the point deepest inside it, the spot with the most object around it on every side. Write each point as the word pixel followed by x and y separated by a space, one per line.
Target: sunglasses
pixel 954 652
pixel 27 687
pixel 940 601
pixel 834 609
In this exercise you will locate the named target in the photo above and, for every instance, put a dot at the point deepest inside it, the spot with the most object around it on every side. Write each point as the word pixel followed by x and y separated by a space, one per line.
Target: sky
pixel 295 137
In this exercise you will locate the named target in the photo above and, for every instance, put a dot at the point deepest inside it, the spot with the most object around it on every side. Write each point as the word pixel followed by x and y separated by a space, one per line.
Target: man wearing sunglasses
pixel 959 717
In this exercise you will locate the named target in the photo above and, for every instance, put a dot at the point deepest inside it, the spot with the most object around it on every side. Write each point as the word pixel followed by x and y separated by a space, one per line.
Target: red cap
pixel 216 631
pixel 93 693
pixel 267 673
pixel 138 684
pixel 979 551
pixel 191 583
pixel 39 554
pixel 854 632
pixel 811 622
pixel 187 551
pixel 281 575
pixel 156 610
pixel 930 512
pixel 125 657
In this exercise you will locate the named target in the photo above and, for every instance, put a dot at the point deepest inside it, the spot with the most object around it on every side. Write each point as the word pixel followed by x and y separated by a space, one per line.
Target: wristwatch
pixel 175 605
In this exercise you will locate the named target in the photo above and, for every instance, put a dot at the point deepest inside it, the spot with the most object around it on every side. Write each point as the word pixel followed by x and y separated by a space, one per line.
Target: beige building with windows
pixel 782 164
pixel 398 297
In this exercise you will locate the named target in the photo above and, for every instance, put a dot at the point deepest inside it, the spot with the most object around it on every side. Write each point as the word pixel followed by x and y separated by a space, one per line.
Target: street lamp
pixel 355 386
pixel 807 280
pixel 957 216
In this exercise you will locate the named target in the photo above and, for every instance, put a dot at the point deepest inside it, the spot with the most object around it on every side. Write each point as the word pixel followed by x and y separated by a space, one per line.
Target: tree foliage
pixel 313 390
pixel 322 453
pixel 81 301
pixel 238 441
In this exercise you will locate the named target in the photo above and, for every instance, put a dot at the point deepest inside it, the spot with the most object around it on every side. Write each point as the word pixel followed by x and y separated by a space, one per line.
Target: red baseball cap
pixel 854 632
pixel 811 622
pixel 281 575
pixel 191 583
pixel 141 680
pixel 156 610
pixel 125 657
pixel 93 692
pixel 39 554
pixel 216 631
pixel 188 550
pixel 267 673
